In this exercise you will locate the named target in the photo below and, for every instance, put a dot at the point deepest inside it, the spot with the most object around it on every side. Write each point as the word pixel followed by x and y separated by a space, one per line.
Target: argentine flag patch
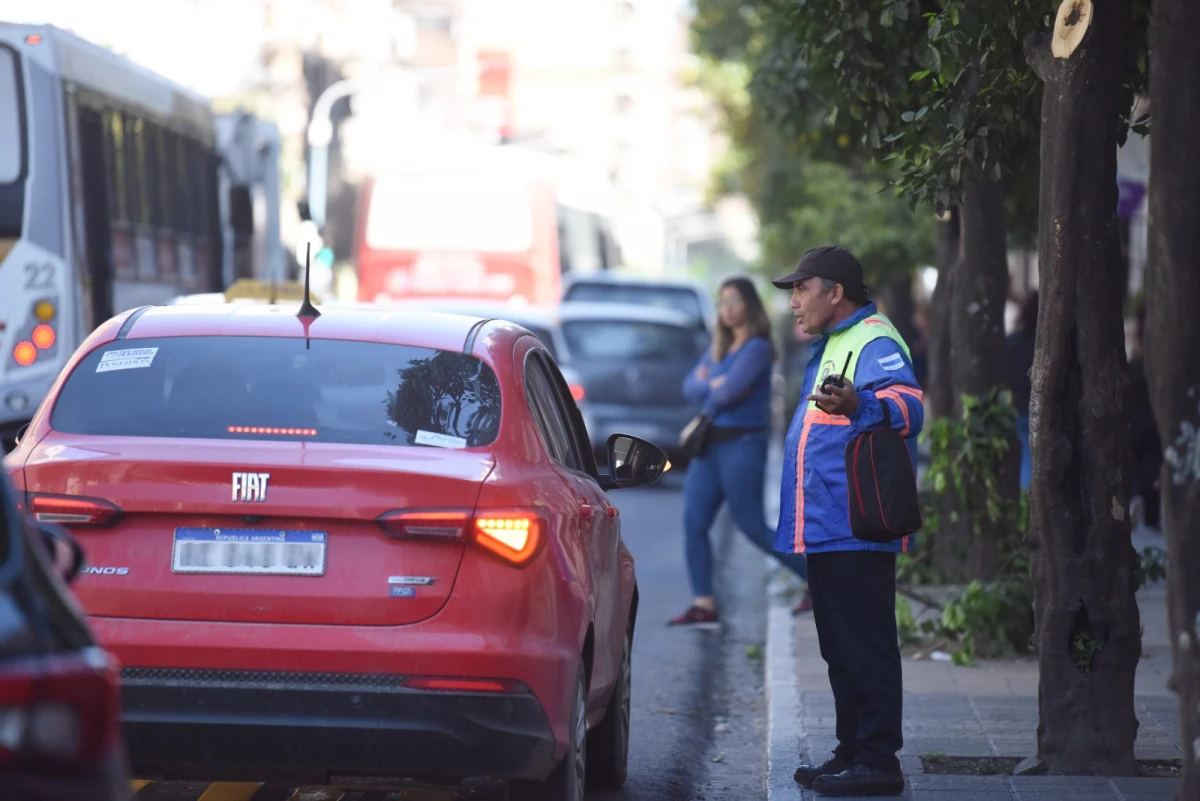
pixel 893 362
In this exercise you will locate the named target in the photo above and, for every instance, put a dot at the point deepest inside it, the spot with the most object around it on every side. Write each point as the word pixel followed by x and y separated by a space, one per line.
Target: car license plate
pixel 249 551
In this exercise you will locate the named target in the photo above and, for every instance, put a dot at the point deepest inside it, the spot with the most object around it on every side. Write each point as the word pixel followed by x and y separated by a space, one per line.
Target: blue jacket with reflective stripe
pixel 813 507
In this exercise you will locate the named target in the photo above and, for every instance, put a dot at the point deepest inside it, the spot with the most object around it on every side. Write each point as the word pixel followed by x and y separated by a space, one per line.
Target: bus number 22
pixel 39 276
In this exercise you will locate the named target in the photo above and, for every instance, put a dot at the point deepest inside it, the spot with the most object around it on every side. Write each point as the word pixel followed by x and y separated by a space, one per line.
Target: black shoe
pixel 861 780
pixel 807 774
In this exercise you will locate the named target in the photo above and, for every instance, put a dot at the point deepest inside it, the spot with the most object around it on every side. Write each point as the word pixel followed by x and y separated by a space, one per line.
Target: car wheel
pixel 608 743
pixel 568 780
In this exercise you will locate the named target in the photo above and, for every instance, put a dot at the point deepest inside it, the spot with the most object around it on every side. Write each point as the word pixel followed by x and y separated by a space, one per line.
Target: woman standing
pixel 733 384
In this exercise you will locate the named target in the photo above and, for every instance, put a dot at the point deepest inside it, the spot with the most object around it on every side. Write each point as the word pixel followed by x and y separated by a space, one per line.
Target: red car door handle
pixel 585 510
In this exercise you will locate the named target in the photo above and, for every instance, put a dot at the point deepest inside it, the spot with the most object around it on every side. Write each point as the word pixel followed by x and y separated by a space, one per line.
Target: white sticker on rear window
pixel 440 440
pixel 126 359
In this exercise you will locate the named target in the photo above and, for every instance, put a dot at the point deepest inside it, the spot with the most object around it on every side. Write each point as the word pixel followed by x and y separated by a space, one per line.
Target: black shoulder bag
pixel 882 486
pixel 694 438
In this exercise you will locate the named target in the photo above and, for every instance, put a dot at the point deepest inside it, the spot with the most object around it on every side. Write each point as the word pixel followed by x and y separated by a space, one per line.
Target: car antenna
pixel 308 312
pixel 307 309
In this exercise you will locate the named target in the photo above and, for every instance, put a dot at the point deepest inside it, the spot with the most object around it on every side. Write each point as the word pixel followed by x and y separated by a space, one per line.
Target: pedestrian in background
pixel 1019 348
pixel 732 383
pixel 853 581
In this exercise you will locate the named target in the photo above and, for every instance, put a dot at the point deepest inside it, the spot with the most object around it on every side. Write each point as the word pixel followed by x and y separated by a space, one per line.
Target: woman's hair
pixel 756 318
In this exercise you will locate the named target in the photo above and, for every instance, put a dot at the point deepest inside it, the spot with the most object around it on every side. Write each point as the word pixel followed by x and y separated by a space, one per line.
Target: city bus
pixel 482 223
pixel 108 201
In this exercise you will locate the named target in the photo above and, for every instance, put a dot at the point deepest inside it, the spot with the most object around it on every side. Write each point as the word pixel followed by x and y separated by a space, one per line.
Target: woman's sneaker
pixel 697 617
pixel 805 605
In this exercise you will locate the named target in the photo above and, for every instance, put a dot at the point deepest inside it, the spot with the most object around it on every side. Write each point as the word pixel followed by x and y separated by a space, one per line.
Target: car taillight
pixel 514 535
pixel 72 510
pixel 63 709
pixel 578 392
pixel 438 524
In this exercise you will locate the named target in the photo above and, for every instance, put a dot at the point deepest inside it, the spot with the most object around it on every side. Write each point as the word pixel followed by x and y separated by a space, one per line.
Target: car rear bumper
pixel 238 725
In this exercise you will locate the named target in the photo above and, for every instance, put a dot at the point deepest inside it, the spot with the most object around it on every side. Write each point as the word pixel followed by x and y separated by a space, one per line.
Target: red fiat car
pixel 360 543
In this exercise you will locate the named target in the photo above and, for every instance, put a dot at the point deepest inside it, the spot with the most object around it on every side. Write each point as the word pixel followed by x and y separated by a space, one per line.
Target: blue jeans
pixel 731 472
pixel 1026 456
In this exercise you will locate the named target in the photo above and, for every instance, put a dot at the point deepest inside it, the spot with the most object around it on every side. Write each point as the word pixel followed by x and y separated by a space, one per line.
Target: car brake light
pixel 514 536
pixel 578 392
pixel 440 524
pixel 464 685
pixel 72 510
pixel 63 709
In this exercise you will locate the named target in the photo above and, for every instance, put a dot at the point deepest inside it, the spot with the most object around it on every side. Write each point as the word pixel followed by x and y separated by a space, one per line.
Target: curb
pixel 785 731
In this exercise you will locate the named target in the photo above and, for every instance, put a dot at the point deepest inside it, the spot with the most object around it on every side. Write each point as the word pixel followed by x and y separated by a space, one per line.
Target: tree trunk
pixel 896 296
pixel 1087 624
pixel 969 543
pixel 1173 342
pixel 948 550
pixel 940 390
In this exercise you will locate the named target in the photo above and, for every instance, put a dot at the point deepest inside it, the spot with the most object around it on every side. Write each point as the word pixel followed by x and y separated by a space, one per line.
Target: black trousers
pixel 854 606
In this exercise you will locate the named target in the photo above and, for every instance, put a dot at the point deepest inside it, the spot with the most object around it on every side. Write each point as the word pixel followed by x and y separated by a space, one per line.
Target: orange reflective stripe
pixel 811 417
pixel 873 321
pixel 891 393
pixel 904 544
pixel 907 390
pixel 798 536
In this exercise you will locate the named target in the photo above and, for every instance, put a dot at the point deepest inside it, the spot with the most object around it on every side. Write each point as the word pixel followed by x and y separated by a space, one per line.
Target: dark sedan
pixel 632 360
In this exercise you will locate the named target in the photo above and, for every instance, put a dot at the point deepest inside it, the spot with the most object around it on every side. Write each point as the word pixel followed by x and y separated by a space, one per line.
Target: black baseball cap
pixel 831 262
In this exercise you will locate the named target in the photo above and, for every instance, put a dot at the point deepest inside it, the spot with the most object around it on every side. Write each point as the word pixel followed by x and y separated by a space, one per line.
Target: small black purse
pixel 694 438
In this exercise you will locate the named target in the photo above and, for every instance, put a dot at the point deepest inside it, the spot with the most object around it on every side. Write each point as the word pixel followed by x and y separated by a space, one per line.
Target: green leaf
pixel 908 116
pixel 935 30
pixel 932 58
pixel 919 75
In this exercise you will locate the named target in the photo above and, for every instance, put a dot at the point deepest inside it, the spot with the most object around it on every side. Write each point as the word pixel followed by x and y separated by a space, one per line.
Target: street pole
pixel 320 134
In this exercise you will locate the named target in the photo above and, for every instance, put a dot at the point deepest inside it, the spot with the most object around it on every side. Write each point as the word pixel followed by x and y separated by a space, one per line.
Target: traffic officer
pixel 853 582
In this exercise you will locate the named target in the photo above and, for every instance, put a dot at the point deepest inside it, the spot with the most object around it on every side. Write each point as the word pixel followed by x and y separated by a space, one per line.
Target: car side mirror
pixel 634 462
pixel 66 554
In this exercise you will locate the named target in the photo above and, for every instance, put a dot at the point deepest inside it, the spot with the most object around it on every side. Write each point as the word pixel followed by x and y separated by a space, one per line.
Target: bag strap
pixel 887 414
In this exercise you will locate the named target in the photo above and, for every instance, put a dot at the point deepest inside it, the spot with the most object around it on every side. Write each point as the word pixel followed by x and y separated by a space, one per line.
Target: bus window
pixel 12 145
pixel 449 212
pixel 114 158
pixel 11 155
pixel 137 172
pixel 154 176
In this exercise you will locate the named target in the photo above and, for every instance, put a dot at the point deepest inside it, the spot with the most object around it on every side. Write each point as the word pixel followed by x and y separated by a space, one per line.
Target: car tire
pixel 569 779
pixel 608 743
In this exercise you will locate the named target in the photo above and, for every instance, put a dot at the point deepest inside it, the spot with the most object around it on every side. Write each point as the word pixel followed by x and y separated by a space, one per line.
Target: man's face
pixel 812 307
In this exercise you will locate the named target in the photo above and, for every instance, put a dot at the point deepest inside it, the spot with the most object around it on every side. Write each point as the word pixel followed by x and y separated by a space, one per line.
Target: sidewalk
pixel 985 710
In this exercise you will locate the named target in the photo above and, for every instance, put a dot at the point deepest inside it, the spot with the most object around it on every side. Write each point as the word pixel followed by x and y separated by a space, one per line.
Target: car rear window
pixel 276 388
pixel 630 339
pixel 682 300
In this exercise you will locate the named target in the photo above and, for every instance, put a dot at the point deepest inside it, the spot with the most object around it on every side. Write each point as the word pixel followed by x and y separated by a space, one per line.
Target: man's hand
pixel 702 372
pixel 716 382
pixel 837 400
